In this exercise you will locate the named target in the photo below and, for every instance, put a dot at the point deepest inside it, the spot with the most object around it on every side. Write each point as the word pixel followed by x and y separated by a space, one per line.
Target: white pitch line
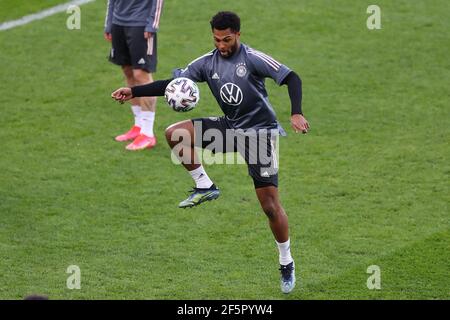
pixel 41 14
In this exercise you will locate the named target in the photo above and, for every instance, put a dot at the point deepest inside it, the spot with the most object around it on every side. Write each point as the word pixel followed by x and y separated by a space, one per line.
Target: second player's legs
pixel 130 50
pixel 147 104
pixel 143 77
pixel 135 77
pixel 143 110
pixel 129 79
pixel 135 130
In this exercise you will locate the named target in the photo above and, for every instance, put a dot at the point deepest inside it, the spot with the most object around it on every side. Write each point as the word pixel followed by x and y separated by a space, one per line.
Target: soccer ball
pixel 182 94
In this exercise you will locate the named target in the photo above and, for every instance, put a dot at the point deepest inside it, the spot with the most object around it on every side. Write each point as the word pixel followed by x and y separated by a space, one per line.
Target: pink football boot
pixel 142 142
pixel 133 133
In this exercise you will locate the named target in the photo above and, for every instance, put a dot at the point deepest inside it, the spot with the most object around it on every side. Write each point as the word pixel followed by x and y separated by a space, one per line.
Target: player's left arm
pixel 154 18
pixel 294 83
pixel 264 66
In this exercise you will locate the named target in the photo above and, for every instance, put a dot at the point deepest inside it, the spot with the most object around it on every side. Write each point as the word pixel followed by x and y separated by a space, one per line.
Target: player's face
pixel 226 41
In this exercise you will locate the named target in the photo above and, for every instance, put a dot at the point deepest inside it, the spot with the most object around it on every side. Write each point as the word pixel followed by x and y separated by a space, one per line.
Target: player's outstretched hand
pixel 122 94
pixel 299 123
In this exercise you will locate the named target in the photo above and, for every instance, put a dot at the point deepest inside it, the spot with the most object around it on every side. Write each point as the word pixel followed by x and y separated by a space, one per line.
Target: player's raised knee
pixel 179 130
pixel 169 132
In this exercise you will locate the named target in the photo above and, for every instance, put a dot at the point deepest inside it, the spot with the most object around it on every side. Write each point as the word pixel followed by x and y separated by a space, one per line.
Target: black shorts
pixel 258 148
pixel 129 47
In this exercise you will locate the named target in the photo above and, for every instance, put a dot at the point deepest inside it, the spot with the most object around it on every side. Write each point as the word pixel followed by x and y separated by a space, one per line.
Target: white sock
pixel 201 178
pixel 147 119
pixel 285 252
pixel 137 114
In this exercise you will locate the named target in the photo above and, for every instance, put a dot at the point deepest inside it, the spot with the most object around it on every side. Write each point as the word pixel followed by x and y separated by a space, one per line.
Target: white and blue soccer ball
pixel 182 94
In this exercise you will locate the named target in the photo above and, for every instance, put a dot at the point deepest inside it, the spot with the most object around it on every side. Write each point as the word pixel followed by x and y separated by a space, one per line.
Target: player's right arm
pixel 194 71
pixel 154 89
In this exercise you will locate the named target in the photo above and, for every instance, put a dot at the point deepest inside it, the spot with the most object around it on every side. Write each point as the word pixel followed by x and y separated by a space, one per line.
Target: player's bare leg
pixel 146 138
pixel 133 133
pixel 181 139
pixel 278 221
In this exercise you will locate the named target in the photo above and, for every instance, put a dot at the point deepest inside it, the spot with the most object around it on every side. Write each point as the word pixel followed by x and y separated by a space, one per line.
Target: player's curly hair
pixel 226 19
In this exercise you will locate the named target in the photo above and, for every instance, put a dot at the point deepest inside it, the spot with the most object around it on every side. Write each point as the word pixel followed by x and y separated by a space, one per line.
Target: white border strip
pixel 41 14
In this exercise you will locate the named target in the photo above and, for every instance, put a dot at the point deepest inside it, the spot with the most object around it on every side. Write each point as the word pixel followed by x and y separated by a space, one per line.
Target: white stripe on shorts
pixel 150 45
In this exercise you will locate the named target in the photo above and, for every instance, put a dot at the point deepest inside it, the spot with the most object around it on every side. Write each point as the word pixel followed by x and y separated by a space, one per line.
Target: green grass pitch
pixel 369 185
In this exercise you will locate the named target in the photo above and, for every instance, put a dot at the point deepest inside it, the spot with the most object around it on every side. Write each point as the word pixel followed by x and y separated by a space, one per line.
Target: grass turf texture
pixel 15 9
pixel 367 186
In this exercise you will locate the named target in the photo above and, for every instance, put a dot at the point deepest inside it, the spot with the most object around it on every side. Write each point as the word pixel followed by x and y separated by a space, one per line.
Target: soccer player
pixel 235 74
pixel 132 25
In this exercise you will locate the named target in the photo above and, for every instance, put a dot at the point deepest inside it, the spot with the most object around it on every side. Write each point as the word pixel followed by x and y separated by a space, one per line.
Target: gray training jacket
pixel 134 13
